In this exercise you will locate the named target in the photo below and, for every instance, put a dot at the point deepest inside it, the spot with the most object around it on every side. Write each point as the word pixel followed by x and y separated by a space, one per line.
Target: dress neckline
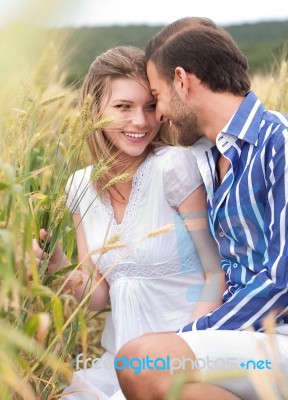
pixel 138 179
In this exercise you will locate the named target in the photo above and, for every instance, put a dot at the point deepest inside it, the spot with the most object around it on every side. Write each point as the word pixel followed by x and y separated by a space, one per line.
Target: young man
pixel 200 82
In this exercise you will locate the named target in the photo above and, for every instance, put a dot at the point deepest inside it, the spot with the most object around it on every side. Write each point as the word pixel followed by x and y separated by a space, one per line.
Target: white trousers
pixel 245 363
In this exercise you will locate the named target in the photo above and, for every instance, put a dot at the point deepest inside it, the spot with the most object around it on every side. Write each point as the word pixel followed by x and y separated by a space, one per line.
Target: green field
pixel 42 327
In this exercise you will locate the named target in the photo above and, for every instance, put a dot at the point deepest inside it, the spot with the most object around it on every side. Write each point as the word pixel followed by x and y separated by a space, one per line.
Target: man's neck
pixel 222 109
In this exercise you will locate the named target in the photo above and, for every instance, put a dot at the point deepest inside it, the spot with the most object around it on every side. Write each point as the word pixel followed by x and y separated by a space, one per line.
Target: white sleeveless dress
pixel 155 285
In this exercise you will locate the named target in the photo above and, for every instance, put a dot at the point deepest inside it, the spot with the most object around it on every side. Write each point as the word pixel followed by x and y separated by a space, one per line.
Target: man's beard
pixel 185 121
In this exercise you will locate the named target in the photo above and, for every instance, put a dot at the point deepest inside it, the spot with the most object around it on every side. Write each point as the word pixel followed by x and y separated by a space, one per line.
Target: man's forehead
pixel 151 69
pixel 155 79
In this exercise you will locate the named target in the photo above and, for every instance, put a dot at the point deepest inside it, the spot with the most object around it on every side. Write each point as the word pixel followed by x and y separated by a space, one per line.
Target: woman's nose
pixel 139 118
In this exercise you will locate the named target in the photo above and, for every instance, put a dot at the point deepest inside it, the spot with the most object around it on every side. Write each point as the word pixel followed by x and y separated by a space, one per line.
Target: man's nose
pixel 160 117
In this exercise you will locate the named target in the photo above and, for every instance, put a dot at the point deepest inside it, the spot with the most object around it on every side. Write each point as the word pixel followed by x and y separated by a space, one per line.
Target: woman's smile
pixel 133 109
pixel 135 136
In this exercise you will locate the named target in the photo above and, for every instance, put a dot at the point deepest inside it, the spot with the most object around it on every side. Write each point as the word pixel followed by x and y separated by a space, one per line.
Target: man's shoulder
pixel 276 118
pixel 273 133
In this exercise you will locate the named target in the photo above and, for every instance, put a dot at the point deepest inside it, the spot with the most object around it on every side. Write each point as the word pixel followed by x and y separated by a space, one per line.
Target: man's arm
pixel 193 211
pixel 268 289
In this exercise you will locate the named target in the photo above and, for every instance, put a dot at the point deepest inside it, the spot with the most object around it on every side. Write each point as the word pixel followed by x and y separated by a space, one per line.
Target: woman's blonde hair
pixel 118 62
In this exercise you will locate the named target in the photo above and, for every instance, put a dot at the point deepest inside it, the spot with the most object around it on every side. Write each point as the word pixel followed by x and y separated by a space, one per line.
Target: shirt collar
pixel 245 123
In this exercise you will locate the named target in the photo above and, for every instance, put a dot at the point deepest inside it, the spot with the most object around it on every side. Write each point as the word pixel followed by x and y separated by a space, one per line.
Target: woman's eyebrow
pixel 122 100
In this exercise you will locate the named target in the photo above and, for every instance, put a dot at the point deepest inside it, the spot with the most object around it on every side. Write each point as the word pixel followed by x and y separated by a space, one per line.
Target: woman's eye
pixel 123 107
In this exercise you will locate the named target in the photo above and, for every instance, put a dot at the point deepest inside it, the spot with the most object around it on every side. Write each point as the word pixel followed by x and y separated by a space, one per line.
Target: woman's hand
pixel 57 259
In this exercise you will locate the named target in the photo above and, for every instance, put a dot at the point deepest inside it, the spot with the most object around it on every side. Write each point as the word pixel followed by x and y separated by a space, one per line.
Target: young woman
pixel 156 284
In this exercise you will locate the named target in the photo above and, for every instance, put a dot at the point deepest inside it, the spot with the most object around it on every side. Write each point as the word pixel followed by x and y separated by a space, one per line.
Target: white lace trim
pixel 129 270
pixel 138 183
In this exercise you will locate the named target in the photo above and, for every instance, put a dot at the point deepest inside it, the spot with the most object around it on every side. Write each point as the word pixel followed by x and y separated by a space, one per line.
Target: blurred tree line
pixel 263 44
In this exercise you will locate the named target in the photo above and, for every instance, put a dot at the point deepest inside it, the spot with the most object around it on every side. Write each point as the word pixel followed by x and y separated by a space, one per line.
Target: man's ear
pixel 181 81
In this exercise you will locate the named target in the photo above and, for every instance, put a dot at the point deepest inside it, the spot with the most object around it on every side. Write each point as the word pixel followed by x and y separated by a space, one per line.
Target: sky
pixel 153 12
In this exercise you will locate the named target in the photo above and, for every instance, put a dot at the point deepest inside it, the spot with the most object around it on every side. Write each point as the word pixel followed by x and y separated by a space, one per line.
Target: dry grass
pixel 42 328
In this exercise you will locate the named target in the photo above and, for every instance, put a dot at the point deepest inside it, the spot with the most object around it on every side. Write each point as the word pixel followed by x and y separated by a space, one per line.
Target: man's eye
pixel 151 106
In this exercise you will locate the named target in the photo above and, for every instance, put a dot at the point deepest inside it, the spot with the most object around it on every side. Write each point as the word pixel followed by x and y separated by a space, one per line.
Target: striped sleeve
pixel 268 288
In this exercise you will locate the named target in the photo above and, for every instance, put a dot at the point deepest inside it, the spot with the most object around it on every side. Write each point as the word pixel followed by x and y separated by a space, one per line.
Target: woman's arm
pixel 193 210
pixel 89 274
pixel 81 280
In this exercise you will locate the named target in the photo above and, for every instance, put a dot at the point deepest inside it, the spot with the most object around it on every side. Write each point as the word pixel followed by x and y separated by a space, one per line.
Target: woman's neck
pixel 125 163
pixel 120 192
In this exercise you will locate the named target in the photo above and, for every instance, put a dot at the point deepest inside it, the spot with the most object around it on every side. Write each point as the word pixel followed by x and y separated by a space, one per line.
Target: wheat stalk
pixel 161 231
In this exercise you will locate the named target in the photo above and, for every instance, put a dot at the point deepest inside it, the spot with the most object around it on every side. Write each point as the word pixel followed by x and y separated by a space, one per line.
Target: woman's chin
pixel 134 151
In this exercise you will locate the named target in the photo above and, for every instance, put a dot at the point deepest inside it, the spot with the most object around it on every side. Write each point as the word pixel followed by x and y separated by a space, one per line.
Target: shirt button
pixel 235 265
pixel 221 234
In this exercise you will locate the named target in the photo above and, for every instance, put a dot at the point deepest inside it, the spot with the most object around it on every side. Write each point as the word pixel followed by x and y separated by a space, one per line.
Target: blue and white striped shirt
pixel 248 216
